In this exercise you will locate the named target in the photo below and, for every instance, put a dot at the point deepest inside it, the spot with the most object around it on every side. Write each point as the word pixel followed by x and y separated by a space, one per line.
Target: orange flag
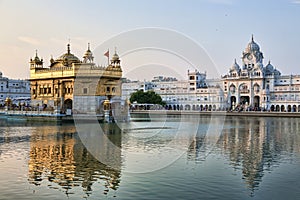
pixel 107 53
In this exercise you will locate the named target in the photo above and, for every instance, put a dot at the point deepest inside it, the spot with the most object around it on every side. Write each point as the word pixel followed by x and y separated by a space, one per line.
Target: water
pixel 152 157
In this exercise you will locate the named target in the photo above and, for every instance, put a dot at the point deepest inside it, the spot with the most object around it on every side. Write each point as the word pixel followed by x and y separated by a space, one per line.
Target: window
pixel 85 90
pixel 192 77
pixel 107 89
pixel 49 90
pixel 56 90
pixel 33 91
pixel 45 90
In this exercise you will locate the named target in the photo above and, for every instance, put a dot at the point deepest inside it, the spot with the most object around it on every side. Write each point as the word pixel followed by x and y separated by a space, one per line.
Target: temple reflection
pixel 58 157
pixel 253 145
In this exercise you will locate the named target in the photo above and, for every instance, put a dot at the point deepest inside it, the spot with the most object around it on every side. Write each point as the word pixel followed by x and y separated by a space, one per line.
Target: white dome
pixel 235 66
pixel 252 46
pixel 269 67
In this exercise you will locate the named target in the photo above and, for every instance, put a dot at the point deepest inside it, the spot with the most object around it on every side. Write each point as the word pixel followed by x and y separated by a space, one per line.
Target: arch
pixel 68 104
pixel 232 102
pixel 194 107
pixel 294 109
pixel 282 108
pixel 298 108
pixel 206 107
pixel 277 109
pixel 174 107
pixel 232 88
pixel 187 107
pixel 201 107
pixel 289 108
pixel 181 107
pixel 177 107
pixel 214 107
pixel 272 108
pixel 256 87
pixel 256 102
pixel 198 107
pixel 209 108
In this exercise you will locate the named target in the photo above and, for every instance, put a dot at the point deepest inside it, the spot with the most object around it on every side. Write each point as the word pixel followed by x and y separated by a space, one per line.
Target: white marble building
pixel 249 86
pixel 15 89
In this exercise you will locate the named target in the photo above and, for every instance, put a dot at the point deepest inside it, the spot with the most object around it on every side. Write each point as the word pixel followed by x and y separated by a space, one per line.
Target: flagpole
pixel 108 58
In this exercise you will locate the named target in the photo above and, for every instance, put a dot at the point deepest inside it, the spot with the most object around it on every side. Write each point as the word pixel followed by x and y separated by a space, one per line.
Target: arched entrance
pixel 232 101
pixel 244 99
pixel 68 104
pixel 272 107
pixel 277 108
pixel 282 108
pixel 256 102
pixel 289 108
pixel 294 108
pixel 209 108
pixel 201 107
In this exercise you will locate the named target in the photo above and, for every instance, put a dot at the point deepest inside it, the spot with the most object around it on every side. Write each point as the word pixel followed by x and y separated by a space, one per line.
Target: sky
pixel 220 29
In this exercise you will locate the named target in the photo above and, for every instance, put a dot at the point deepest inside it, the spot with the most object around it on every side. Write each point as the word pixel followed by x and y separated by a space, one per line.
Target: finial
pixel 235 60
pixel 36 53
pixel 115 50
pixel 252 38
pixel 69 48
pixel 88 46
pixel 269 61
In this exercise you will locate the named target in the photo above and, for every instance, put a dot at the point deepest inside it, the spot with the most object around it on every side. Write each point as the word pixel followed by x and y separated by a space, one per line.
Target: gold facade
pixel 56 86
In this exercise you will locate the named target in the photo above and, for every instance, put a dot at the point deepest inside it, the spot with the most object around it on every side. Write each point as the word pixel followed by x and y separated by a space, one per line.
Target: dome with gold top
pixel 66 59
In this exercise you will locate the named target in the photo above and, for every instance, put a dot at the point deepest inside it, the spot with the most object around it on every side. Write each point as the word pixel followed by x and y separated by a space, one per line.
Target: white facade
pixel 16 90
pixel 251 86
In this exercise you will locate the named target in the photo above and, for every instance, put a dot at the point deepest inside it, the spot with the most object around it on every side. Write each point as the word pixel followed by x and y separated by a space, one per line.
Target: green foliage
pixel 146 97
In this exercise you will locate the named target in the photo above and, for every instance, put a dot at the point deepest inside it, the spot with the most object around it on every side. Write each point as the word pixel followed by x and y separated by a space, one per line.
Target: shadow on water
pixel 58 157
pixel 253 146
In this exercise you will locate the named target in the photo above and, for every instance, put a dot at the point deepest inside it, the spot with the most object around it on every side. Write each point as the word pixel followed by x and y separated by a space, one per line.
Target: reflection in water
pixel 58 156
pixel 254 145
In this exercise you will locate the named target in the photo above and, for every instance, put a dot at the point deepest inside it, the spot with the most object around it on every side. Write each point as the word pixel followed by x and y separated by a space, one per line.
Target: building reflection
pixel 58 157
pixel 254 145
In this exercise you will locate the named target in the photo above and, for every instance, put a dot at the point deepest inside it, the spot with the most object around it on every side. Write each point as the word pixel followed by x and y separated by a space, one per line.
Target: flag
pixel 107 53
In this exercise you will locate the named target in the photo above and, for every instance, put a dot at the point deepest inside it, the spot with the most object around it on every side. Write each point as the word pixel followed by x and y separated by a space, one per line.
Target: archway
pixel 214 107
pixel 187 107
pixel 289 108
pixel 194 107
pixel 277 108
pixel 272 107
pixel 244 99
pixel 68 104
pixel 201 107
pixel 282 108
pixel 294 108
pixel 256 102
pixel 232 101
pixel 209 108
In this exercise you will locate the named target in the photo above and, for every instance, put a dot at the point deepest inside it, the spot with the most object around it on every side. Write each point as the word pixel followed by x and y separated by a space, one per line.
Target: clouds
pixel 296 1
pixel 29 40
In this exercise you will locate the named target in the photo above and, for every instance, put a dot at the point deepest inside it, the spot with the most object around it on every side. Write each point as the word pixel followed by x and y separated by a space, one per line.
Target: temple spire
pixel 69 48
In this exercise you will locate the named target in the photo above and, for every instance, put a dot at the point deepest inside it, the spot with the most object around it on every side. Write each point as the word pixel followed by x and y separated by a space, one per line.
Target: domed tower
pixel 252 55
pixel 234 69
pixel 115 61
pixel 88 56
pixel 66 59
pixel 36 62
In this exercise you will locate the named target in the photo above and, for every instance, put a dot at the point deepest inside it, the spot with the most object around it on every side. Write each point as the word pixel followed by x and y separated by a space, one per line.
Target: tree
pixel 146 97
